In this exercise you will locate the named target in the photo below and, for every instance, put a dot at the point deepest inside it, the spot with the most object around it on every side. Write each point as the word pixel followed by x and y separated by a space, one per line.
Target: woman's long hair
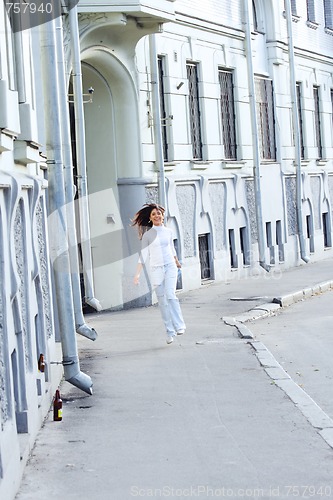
pixel 142 217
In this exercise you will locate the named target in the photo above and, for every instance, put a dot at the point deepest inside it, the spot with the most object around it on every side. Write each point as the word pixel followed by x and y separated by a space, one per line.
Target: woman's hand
pixel 178 264
pixel 136 279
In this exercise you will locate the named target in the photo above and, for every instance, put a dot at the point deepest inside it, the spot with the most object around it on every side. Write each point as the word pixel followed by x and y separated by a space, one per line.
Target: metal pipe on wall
pixel 81 161
pixel 296 132
pixel 81 327
pixel 157 127
pixel 255 138
pixel 57 211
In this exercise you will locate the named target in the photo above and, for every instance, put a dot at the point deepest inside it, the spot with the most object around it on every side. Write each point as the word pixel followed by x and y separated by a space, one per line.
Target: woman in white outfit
pixel 159 250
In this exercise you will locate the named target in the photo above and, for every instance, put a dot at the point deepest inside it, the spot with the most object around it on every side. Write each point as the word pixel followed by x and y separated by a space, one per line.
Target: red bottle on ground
pixel 57 407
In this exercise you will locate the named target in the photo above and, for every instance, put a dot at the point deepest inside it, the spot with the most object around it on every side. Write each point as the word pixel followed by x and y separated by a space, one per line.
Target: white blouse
pixel 157 246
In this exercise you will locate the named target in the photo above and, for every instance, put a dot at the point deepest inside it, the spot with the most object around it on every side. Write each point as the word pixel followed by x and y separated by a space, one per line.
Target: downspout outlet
pixel 93 302
pixel 265 266
pixel 74 376
pixel 86 331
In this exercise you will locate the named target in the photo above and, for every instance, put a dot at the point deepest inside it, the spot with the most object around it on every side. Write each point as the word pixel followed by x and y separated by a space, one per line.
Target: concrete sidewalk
pixel 198 418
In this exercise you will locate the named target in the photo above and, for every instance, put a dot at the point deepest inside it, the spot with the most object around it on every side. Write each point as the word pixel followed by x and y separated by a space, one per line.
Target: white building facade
pixel 221 112
pixel 241 195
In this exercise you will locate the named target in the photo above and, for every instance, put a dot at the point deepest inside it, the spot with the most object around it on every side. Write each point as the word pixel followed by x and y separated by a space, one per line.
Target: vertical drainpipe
pixel 81 327
pixel 255 139
pixel 296 132
pixel 157 127
pixel 57 211
pixel 81 161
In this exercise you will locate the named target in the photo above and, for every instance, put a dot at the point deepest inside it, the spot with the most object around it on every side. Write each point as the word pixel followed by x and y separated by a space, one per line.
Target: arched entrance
pixel 113 152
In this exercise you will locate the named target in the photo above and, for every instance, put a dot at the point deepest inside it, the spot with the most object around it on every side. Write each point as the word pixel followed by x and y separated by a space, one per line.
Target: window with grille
pixel 194 110
pixel 300 120
pixel 228 114
pixel 265 118
pixel 293 7
pixel 317 122
pixel 311 10
pixel 204 256
pixel 164 123
pixel 328 12
pixel 254 16
pixel 332 106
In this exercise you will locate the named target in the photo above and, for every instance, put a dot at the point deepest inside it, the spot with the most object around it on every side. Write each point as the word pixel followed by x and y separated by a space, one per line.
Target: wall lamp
pixel 88 97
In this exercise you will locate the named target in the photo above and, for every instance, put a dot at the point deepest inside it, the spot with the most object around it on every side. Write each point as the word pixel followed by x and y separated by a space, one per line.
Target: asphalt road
pixel 301 339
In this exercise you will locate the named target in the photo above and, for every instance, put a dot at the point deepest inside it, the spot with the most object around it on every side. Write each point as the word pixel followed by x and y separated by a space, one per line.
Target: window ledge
pixel 329 30
pixel 321 162
pixel 200 164
pixel 226 164
pixel 312 24
pixel 170 165
pixel 268 162
pixel 6 142
pixel 294 17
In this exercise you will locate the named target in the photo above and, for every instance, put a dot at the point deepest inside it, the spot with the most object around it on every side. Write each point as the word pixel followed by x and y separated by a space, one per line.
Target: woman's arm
pixel 137 273
pixel 178 264
pixel 172 246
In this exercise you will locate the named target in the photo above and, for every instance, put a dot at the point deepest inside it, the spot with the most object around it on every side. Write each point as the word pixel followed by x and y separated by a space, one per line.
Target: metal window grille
pixel 300 120
pixel 293 7
pixel 310 10
pixel 332 105
pixel 245 250
pixel 265 118
pixel 232 249
pixel 228 114
pixel 163 107
pixel 254 16
pixel 194 109
pixel 204 256
pixel 317 122
pixel 327 230
pixel 328 12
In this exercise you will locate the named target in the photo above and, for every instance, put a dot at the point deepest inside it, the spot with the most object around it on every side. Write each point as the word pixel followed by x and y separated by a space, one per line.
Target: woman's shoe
pixel 181 331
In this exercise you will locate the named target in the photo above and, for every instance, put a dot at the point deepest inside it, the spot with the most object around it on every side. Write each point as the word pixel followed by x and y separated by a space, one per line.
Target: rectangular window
pixel 11 55
pixel 164 121
pixel 254 16
pixel 232 249
pixel 311 10
pixel 300 118
pixel 204 256
pixel 309 232
pixel 293 7
pixel 245 250
pixel 332 106
pixel 228 114
pixel 328 12
pixel 279 240
pixel 327 230
pixel 265 118
pixel 317 122
pixel 270 246
pixel 194 110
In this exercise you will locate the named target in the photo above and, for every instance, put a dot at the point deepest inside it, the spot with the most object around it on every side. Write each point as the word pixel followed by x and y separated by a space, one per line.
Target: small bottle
pixel 57 407
pixel 41 363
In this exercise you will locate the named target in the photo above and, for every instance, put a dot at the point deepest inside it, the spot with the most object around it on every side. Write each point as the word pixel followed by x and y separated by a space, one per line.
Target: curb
pixel 305 293
pixel 270 308
pixel 308 407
